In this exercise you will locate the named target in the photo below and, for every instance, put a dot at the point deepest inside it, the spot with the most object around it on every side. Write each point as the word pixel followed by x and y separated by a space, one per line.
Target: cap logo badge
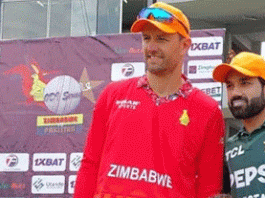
pixel 184 118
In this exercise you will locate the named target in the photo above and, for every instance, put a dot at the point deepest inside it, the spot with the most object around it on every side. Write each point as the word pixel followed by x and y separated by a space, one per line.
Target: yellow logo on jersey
pixel 184 118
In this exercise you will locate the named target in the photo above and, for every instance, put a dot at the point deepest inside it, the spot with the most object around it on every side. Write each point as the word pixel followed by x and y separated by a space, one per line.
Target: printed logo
pixel 15 162
pixel 4 186
pixel 13 185
pixel 236 151
pixel 127 104
pixel 71 184
pixel 192 69
pixel 206 46
pixel 34 80
pixel 137 174
pixel 75 161
pixel 120 50
pixel 87 86
pixel 11 160
pixel 48 184
pixel 257 195
pixel 127 70
pixel 121 71
pixel 38 184
pixel 242 178
pixel 213 89
pixel 184 118
pixel 203 70
pixel 49 162
pixel 135 50
pixel 132 50
pixel 57 125
pixel 62 94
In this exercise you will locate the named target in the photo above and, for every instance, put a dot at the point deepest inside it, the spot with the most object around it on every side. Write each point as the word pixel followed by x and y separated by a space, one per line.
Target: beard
pixel 252 109
pixel 159 69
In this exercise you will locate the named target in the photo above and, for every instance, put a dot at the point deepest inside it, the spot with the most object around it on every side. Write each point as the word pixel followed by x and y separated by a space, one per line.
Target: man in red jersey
pixel 154 136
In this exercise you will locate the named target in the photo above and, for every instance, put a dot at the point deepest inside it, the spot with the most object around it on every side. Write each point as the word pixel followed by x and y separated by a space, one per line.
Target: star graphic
pixel 88 86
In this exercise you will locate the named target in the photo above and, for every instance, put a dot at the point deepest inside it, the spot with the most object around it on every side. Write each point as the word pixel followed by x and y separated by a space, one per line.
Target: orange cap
pixel 247 63
pixel 181 25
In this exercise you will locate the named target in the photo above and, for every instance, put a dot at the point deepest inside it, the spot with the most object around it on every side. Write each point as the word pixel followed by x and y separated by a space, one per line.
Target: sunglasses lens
pixel 157 14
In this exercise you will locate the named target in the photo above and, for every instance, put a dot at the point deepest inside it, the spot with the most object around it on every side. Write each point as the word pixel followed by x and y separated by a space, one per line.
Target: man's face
pixel 163 52
pixel 245 95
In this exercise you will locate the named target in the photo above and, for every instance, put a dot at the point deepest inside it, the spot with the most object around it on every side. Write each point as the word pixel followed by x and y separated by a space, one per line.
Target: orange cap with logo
pixel 180 25
pixel 247 63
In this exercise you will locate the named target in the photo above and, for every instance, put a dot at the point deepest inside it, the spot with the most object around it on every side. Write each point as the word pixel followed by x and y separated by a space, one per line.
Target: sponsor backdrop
pixel 48 90
pixel 205 53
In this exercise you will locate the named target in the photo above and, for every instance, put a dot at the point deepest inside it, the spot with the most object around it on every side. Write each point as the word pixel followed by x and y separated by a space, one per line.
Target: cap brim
pixel 139 25
pixel 221 71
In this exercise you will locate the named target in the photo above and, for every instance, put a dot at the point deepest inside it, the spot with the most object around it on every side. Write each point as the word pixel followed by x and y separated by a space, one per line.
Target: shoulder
pixel 231 142
pixel 123 84
pixel 232 139
pixel 115 90
pixel 118 87
pixel 204 108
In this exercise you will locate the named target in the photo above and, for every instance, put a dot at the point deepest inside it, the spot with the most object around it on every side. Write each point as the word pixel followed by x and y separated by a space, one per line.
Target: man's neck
pixel 165 85
pixel 254 123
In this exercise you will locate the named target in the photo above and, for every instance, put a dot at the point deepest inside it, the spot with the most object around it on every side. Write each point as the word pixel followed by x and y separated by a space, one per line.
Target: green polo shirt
pixel 245 156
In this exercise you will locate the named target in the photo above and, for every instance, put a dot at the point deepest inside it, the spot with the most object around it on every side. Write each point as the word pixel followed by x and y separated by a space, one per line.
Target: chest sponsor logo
pixel 244 177
pixel 52 184
pixel 14 162
pixel 136 174
pixel 255 196
pixel 127 104
pixel 206 46
pixel 49 162
pixel 75 161
pixel 236 151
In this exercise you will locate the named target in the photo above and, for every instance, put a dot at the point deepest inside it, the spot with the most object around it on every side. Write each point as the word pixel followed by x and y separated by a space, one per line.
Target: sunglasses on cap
pixel 160 15
pixel 156 14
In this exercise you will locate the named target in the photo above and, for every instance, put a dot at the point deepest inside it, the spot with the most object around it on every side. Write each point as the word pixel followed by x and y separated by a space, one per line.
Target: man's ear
pixel 186 43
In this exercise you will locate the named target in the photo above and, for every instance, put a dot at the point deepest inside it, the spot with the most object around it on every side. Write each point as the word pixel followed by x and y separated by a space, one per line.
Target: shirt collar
pixel 243 132
pixel 183 91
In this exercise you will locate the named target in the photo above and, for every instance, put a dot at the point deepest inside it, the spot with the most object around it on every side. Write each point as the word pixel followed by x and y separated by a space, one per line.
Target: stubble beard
pixel 253 108
pixel 159 70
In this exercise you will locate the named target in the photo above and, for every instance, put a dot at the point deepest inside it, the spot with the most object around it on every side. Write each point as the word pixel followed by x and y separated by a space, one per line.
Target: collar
pixel 243 133
pixel 184 91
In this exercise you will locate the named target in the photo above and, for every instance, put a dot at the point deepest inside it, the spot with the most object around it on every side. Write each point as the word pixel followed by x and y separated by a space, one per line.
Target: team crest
pixel 184 118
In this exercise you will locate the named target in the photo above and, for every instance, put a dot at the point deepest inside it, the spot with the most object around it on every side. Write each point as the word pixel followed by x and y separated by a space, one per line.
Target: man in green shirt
pixel 245 152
